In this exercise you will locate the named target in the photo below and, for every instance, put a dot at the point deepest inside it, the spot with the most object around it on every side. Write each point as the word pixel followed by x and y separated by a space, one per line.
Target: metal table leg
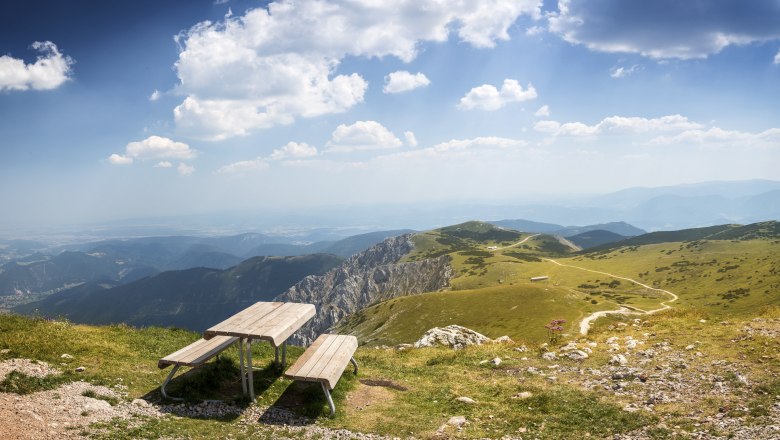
pixel 242 368
pixel 249 365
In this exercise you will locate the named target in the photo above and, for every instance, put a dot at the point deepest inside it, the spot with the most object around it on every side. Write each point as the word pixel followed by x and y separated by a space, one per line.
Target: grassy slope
pixel 426 381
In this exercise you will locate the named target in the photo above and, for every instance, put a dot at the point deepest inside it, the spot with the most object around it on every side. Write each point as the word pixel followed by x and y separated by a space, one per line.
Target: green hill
pixel 192 298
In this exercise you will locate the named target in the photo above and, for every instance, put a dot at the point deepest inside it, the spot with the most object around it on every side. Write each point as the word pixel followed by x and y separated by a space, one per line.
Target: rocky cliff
pixel 369 277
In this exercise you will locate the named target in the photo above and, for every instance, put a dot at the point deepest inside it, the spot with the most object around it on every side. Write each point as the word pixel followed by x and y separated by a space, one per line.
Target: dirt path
pixel 585 323
pixel 516 244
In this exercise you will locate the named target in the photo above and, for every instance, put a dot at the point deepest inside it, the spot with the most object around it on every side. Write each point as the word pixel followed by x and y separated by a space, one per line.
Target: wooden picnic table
pixel 267 321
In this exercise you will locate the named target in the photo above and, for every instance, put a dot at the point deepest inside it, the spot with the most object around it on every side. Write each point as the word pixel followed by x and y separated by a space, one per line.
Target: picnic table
pixel 266 321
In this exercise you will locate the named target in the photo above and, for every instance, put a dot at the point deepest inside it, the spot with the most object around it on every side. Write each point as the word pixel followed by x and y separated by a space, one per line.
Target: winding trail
pixel 516 244
pixel 623 310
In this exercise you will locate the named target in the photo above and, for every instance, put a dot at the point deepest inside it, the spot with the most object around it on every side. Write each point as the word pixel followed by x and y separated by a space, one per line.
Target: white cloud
pixel 622 72
pixel 479 142
pixel 716 137
pixel 362 135
pixel 534 30
pixel 163 164
pixel 260 70
pixel 243 166
pixel 411 139
pixel 544 111
pixel 49 71
pixel 294 150
pixel 153 147
pixel 665 28
pixel 488 97
pixel 777 58
pixel 155 95
pixel 403 81
pixel 118 159
pixel 184 169
pixel 617 124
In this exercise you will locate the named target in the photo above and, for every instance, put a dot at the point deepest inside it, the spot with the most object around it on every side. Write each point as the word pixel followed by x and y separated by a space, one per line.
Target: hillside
pixel 598 237
pixel 733 272
pixel 193 298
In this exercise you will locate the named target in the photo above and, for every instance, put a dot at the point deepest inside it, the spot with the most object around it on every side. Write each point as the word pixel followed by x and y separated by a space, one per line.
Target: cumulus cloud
pixel 411 139
pixel 488 97
pixel 184 169
pixel 294 150
pixel 153 147
pixel 617 124
pixel 403 81
pixel 362 135
pixel 244 166
pixel 163 164
pixel 260 70
pixel 665 28
pixel 717 137
pixel 622 72
pixel 155 95
pixel 49 71
pixel 544 111
pixel 777 58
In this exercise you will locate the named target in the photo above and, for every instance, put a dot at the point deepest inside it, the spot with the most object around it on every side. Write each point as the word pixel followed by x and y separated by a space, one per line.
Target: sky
pixel 133 109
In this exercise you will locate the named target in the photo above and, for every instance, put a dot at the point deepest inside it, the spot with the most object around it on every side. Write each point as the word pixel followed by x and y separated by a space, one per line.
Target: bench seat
pixel 324 362
pixel 193 355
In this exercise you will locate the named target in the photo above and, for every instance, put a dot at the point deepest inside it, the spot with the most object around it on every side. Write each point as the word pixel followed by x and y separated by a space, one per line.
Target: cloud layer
pixel 259 70
pixel 617 124
pixel 49 71
pixel 665 28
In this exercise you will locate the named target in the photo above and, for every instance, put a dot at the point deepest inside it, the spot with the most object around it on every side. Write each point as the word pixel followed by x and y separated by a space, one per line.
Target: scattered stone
pixel 549 356
pixel 466 400
pixel 141 402
pixel 618 360
pixel 28 367
pixel 521 349
pixel 66 356
pixel 702 321
pixel 503 340
pixel 80 369
pixel 690 347
pixel 577 355
pixel 523 395
pixel 5 351
pixel 496 361
pixel 402 347
pixel 453 336
pixel 456 420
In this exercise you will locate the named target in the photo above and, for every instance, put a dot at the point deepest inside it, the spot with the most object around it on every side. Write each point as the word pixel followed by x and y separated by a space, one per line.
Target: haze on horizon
pixel 115 110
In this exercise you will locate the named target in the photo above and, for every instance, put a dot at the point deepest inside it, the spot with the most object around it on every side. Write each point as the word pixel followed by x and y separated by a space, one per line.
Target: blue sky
pixel 113 110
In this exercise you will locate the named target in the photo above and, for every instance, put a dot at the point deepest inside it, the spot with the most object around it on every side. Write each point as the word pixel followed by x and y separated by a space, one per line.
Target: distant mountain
pixel 193 298
pixel 63 270
pixel 620 228
pixel 631 197
pixel 595 238
pixel 527 225
pixel 343 248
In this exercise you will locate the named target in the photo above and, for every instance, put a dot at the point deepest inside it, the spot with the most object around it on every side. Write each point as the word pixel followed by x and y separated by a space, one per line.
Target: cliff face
pixel 369 277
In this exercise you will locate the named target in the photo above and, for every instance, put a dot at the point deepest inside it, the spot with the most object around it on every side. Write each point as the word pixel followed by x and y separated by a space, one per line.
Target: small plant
pixel 554 330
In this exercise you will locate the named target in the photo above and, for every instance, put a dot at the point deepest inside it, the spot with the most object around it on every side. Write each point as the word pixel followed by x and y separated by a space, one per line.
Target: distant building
pixel 492 248
pixel 540 278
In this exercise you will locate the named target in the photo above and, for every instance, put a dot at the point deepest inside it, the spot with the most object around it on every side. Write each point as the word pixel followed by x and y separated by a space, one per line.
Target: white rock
pixel 618 359
pixel 66 356
pixel 521 349
pixel 523 395
pixel 80 369
pixel 570 346
pixel 612 340
pixel 453 336
pixel 496 361
pixel 141 402
pixel 466 400
pixel 690 347
pixel 5 351
pixel 549 356
pixel 456 420
pixel 503 340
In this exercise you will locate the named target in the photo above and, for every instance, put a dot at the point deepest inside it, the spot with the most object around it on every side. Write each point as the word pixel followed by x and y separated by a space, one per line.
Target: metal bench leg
pixel 165 384
pixel 242 367
pixel 249 364
pixel 354 362
pixel 330 400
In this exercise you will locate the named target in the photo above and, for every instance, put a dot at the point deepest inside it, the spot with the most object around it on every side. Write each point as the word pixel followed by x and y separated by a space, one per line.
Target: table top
pixel 269 321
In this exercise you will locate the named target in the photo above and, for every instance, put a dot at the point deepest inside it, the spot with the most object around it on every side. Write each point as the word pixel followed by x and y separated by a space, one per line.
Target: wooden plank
pixel 316 358
pixel 304 312
pixel 301 361
pixel 332 372
pixel 260 326
pixel 254 312
pixel 197 352
pixel 333 348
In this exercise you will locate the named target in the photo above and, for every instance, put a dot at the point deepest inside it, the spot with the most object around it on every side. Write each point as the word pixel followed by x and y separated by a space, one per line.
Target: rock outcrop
pixel 369 277
pixel 453 336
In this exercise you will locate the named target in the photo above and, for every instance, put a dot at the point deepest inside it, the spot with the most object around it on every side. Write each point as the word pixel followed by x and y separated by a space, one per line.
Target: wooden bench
pixel 193 355
pixel 324 362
